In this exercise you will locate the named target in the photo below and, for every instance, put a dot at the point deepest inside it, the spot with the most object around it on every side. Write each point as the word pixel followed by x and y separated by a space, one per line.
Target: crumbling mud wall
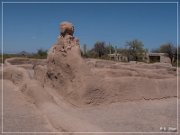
pixel 77 82
pixel 66 71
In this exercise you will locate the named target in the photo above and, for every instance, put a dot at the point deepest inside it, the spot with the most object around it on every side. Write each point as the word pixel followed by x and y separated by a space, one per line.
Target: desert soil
pixel 138 98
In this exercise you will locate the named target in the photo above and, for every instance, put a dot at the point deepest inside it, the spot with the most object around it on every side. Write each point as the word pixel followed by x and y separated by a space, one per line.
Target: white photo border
pixel 177 32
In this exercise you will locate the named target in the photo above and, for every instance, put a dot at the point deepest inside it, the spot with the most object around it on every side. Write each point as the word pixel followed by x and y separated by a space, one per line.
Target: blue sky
pixel 29 27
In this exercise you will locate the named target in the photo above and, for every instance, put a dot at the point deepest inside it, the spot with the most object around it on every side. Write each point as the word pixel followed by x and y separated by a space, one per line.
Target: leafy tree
pixel 91 54
pixel 169 49
pixel 100 49
pixel 84 49
pixel 42 53
pixel 135 50
pixel 177 53
pixel 123 51
pixel 177 57
pixel 110 49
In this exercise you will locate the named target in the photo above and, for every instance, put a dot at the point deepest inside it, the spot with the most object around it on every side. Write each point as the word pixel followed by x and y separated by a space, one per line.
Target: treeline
pixel 134 51
pixel 40 54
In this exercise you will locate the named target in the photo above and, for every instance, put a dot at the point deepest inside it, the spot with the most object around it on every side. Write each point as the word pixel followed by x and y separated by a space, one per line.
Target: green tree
pixel 110 49
pixel 169 49
pixel 135 50
pixel 177 53
pixel 92 54
pixel 100 49
pixel 42 53
pixel 84 49
pixel 123 51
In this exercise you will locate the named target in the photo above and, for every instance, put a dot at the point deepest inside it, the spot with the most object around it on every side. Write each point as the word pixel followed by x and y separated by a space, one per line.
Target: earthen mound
pixel 83 82
pixel 66 70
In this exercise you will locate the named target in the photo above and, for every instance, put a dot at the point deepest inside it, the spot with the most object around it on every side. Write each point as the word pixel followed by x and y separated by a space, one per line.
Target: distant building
pixel 149 57
pixel 118 57
pixel 158 57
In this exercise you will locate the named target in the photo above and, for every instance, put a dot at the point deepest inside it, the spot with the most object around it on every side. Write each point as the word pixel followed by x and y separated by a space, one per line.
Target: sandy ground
pixel 37 109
